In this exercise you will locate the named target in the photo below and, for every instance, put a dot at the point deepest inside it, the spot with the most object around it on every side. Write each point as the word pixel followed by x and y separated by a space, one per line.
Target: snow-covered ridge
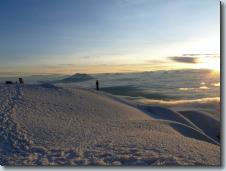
pixel 49 125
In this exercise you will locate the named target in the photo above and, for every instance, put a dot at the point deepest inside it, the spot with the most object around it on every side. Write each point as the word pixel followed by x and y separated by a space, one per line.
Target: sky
pixel 99 36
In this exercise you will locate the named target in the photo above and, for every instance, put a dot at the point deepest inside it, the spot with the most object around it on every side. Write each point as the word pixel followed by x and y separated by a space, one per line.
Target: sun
pixel 211 64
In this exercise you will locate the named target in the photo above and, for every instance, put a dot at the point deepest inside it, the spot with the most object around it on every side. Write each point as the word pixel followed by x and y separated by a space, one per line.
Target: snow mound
pixel 208 124
pixel 166 114
pixel 42 125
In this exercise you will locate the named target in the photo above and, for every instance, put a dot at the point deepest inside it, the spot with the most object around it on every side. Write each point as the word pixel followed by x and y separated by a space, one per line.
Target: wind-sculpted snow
pixel 204 121
pixel 48 125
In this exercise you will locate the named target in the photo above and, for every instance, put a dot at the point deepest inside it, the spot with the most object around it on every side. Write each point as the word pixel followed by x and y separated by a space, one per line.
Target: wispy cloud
pixel 66 65
pixel 197 54
pixel 192 58
pixel 202 55
pixel 182 59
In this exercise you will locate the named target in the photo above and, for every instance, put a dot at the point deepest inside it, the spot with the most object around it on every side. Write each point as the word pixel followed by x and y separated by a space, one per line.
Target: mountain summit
pixel 75 78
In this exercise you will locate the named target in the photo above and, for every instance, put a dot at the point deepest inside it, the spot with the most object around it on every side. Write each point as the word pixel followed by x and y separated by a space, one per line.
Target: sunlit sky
pixel 96 36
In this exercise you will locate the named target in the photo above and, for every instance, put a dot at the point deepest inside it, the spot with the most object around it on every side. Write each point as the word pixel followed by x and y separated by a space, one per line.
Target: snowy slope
pixel 48 125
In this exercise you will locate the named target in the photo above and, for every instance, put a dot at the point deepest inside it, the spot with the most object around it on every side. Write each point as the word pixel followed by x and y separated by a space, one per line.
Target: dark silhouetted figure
pixel 21 81
pixel 8 82
pixel 97 84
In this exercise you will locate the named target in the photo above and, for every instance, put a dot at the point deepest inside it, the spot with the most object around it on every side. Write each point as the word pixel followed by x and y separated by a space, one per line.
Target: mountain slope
pixel 48 125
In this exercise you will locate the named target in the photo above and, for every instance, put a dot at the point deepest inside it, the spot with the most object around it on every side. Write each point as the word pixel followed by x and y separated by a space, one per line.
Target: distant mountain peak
pixel 78 77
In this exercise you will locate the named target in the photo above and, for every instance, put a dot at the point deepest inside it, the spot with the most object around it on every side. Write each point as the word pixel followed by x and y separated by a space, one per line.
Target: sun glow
pixel 211 63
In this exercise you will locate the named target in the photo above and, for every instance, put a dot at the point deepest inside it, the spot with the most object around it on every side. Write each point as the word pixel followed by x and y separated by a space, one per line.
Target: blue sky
pixel 55 36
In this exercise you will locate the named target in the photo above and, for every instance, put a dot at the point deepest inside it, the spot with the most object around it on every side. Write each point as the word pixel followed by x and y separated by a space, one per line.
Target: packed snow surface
pixel 49 125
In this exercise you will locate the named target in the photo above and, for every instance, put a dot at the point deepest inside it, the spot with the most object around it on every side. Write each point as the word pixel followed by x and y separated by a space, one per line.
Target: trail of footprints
pixel 14 142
